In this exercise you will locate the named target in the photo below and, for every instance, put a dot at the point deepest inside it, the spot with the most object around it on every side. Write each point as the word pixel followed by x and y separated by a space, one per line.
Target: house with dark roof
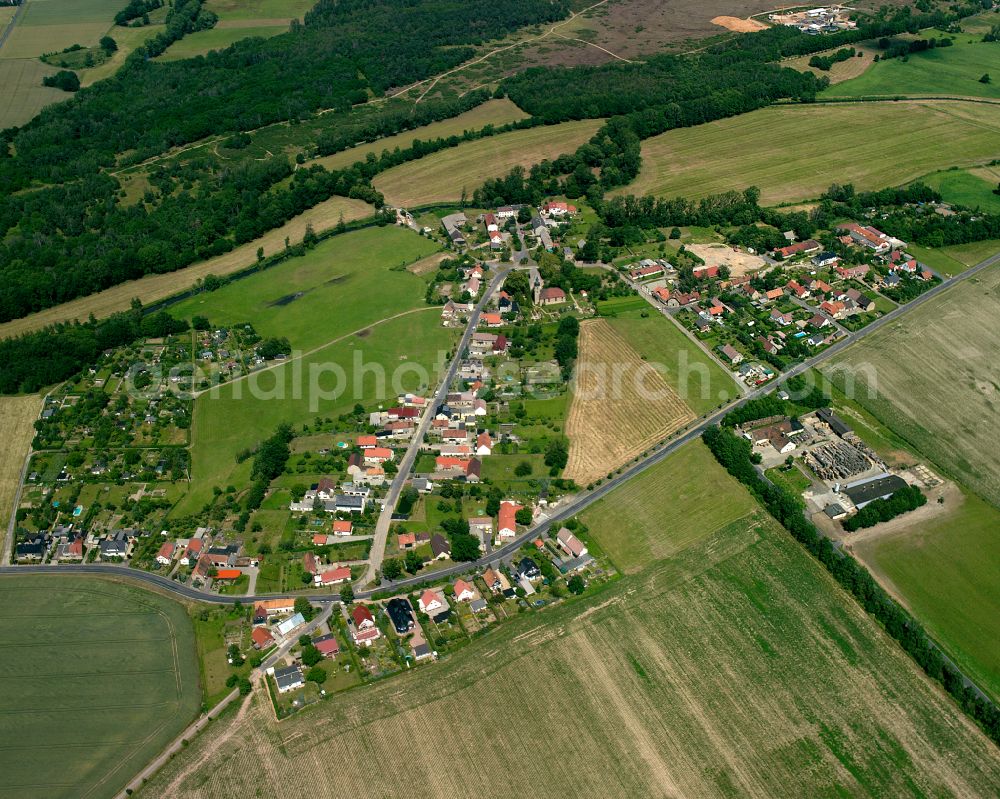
pixel 440 547
pixel 400 614
pixel 288 679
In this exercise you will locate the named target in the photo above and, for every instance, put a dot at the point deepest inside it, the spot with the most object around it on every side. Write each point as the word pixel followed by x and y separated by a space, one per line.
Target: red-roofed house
pixel 702 272
pixel 192 552
pixel 340 574
pixel 490 319
pixel 570 543
pixel 362 617
pixel 662 294
pixel 867 236
pixel 551 296
pixel 797 289
pixel 328 646
pixel 407 540
pixel 853 272
pixel 799 248
pixel 507 526
pixel 378 455
pixel 343 527
pixel 320 540
pixel 166 553
pixel 261 637
pixel 558 209
pixel 367 442
pixel 643 272
pixel 309 564
pixel 834 309
pixel 228 574
pixel 484 444
pixel 464 592
pixel 773 294
pixel 430 601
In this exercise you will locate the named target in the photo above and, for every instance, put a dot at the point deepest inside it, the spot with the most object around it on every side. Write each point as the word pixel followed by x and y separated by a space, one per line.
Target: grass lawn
pixel 971 188
pixel 444 175
pixel 240 416
pixel 493 112
pixel 793 479
pixel 325 293
pixel 98 677
pixel 937 259
pixel 736 668
pixel 946 70
pixel 218 38
pixel 499 469
pixel 250 10
pixel 945 571
pixel 794 153
pixel 696 377
pixel 972 253
pixel 667 508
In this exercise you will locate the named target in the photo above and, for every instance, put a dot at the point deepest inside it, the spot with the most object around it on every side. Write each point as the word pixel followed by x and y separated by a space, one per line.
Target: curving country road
pixel 571 508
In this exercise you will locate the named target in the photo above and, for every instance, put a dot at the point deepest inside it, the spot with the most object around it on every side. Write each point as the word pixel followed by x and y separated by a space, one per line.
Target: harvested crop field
pixel 736 669
pixel 442 176
pixel 620 405
pixel 152 288
pixel 22 95
pixel 17 428
pixel 98 677
pixel 493 112
pixel 934 375
pixel 794 152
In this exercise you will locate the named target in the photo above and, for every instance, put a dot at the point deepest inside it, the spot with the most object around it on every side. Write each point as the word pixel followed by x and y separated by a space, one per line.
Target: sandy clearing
pixel 738 262
pixel 739 25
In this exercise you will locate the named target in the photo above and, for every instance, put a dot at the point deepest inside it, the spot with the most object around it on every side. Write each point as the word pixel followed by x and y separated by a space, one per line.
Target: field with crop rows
pixel 620 405
pixel 794 153
pixel 98 676
pixel 442 176
pixel 152 288
pixel 934 382
pixel 21 92
pixel 50 25
pixel 736 669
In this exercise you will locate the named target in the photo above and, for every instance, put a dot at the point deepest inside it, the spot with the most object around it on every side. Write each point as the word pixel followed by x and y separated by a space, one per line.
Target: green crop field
pixel 735 669
pixel 971 188
pixel 945 570
pixel 325 293
pixel 443 176
pixel 793 153
pixel 218 38
pixel 695 376
pixel 21 92
pixel 942 71
pixel 51 25
pixel 97 677
pixel 493 112
pixel 669 507
pixel 241 415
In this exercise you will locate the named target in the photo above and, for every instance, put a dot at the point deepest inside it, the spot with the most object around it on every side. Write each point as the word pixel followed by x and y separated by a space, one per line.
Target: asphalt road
pixel 570 509
pixel 406 464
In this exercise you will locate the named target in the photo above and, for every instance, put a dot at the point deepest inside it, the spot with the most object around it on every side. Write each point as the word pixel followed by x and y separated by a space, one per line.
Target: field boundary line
pixel 314 350
pixel 21 9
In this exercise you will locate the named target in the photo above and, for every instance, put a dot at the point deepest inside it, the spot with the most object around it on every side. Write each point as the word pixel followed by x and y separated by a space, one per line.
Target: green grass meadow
pixel 343 284
pixel 962 187
pixel 942 71
pixel 97 677
pixel 667 508
pixel 240 416
pixel 695 376
pixel 946 571
pixel 201 42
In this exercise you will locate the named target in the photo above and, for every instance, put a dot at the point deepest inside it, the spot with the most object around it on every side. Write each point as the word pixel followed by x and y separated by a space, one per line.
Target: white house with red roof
pixel 507 521
pixel 334 576
pixel 558 209
pixel 367 442
pixel 464 591
pixel 378 455
pixel 166 554
pixel 430 601
pixel 484 444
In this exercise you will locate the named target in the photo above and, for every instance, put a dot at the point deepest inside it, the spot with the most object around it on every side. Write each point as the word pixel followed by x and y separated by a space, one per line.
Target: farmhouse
pixel 558 209
pixel 644 272
pixel 261 638
pixel 572 545
pixel 507 526
pixel 870 237
pixel 339 574
pixel 799 248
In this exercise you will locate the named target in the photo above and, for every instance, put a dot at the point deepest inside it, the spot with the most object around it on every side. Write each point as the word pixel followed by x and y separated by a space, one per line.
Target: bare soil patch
pixel 739 25
pixel 428 264
pixel 621 404
pixel 738 262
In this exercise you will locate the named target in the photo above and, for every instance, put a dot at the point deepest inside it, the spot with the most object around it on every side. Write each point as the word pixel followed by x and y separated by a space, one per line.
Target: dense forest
pixel 71 235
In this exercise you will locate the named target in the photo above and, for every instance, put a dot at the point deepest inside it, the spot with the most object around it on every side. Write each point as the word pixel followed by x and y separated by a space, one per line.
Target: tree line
pixel 883 510
pixel 55 353
pixel 733 452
